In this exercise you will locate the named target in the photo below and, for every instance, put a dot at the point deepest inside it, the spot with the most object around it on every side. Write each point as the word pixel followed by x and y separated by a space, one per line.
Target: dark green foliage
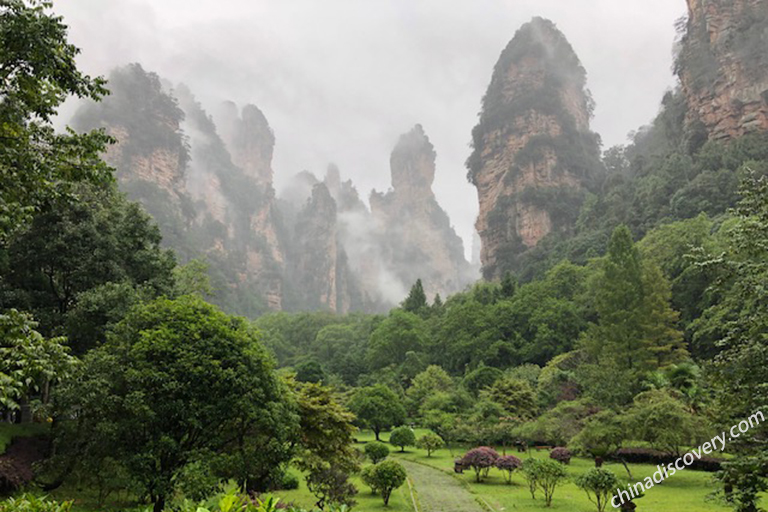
pixel 378 407
pixel 103 249
pixel 148 398
pixel 416 302
pixel 387 476
pixel 310 371
pixel 376 451
pixel 38 72
pixel 402 437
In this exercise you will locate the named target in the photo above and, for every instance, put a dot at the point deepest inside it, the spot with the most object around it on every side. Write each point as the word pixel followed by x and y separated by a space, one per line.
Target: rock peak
pixel 412 162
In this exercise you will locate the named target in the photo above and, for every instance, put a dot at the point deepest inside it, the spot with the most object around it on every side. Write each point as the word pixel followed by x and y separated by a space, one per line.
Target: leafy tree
pixel 603 434
pixel 532 472
pixel 386 477
pixel 480 460
pixel 72 248
pixel 29 363
pixel 508 464
pixel 193 279
pixel 430 442
pixel 402 437
pixel 402 332
pixel 599 484
pixel 663 422
pixel 636 325
pixel 378 407
pixel 508 285
pixel 416 302
pixel 38 72
pixel 550 475
pixel 431 381
pixel 170 371
pixel 515 396
pixel 310 371
pixel 376 451
pixel 331 486
pixel 481 378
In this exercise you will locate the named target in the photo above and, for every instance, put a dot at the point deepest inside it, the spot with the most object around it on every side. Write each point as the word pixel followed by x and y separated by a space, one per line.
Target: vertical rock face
pixel 208 202
pixel 416 237
pixel 533 152
pixel 723 67
pixel 320 271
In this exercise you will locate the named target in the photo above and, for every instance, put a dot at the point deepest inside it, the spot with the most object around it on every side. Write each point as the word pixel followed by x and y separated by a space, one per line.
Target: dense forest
pixel 624 341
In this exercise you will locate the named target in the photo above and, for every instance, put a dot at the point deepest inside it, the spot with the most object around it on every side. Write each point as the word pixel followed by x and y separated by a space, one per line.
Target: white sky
pixel 340 80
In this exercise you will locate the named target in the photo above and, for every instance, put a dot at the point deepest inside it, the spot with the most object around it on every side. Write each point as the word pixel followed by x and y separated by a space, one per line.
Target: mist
pixel 340 80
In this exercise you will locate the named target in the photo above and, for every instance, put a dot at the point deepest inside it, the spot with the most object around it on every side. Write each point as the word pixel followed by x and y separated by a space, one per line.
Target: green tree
pixel 178 378
pixel 599 484
pixel 430 442
pixel 388 476
pixel 431 381
pixel 402 332
pixel 193 279
pixel 376 451
pixel 402 437
pixel 636 325
pixel 550 475
pixel 663 422
pixel 416 302
pixel 514 395
pixel 378 407
pixel 481 378
pixel 29 363
pixel 38 72
pixel 310 371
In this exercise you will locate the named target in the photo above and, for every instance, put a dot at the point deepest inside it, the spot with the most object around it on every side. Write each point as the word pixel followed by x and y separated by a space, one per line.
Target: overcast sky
pixel 339 80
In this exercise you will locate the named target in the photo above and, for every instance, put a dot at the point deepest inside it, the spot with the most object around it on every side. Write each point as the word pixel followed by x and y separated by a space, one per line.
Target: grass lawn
pixel 686 491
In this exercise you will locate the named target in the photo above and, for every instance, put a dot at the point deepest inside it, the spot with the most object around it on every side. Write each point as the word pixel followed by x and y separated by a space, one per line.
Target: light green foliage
pixel 603 434
pixel 402 437
pixel 376 451
pixel 29 363
pixel 515 396
pixel 664 422
pixel 599 484
pixel 559 425
pixel 193 279
pixel 386 477
pixel 30 503
pixel 549 474
pixel 378 407
pixel 148 398
pixel 426 385
pixel 38 72
pixel 430 442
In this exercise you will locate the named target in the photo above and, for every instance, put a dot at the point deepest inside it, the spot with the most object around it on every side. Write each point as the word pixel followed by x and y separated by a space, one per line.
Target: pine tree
pixel 416 302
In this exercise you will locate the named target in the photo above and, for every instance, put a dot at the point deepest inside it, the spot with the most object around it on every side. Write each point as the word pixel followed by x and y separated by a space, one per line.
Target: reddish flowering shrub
pixel 562 455
pixel 508 464
pixel 480 459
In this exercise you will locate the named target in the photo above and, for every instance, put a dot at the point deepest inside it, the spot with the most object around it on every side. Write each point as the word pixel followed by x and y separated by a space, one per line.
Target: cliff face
pixel 723 67
pixel 415 235
pixel 210 199
pixel 320 270
pixel 534 154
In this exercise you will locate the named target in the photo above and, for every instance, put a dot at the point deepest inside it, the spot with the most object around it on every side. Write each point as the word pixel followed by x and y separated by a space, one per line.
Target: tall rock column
pixel 416 237
pixel 723 67
pixel 534 154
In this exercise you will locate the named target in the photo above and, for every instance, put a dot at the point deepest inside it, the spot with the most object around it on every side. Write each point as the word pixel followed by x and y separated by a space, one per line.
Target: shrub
pixel 387 476
pixel 402 437
pixel 508 464
pixel 531 470
pixel 289 482
pixel 480 459
pixel 366 475
pixel 430 442
pixel 550 474
pixel 196 481
pixel 29 503
pixel 561 455
pixel 376 451
pixel 649 456
pixel 599 484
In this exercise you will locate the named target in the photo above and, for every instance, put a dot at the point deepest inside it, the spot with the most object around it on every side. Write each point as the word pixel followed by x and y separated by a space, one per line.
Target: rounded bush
pixel 376 451
pixel 289 482
pixel 508 464
pixel 480 459
pixel 562 455
pixel 402 437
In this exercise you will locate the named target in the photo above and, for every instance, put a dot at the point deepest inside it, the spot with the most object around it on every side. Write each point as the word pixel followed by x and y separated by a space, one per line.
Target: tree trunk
pixel 159 504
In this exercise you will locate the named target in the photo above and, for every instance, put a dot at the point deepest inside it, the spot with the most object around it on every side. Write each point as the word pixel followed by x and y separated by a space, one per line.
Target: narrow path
pixel 439 492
